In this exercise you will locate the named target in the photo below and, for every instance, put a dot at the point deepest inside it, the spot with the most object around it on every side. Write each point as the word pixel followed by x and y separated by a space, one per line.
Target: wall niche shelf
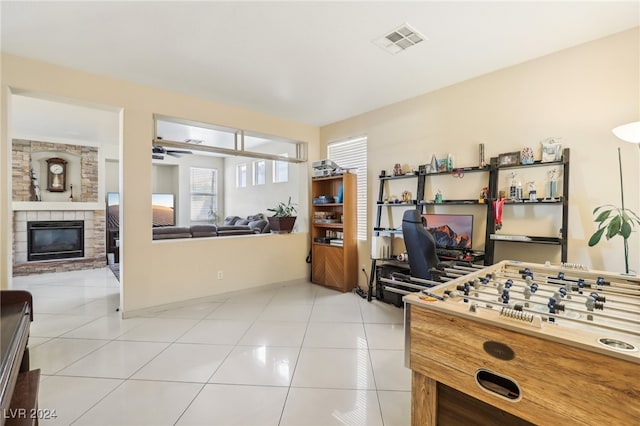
pixel 55 205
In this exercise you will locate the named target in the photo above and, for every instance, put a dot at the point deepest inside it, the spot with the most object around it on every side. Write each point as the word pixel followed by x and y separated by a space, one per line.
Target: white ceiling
pixel 312 62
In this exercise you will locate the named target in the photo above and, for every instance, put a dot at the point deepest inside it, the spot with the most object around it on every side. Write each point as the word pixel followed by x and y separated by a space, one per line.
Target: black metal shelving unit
pixel 420 175
pixel 491 235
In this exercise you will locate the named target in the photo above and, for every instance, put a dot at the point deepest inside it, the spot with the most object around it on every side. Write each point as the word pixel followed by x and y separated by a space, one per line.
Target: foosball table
pixel 522 343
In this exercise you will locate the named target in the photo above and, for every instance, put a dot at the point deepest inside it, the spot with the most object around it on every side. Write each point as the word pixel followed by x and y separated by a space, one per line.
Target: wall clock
pixel 56 175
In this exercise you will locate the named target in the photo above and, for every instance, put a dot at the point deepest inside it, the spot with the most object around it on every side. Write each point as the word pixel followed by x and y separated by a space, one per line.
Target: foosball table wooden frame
pixel 477 358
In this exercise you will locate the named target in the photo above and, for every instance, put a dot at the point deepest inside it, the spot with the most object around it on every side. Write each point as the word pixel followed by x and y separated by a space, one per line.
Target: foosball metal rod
pixel 611 303
pixel 555 316
pixel 557 281
pixel 581 311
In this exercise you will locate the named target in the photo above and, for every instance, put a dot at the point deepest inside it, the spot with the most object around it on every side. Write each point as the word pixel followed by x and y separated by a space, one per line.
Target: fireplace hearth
pixel 48 240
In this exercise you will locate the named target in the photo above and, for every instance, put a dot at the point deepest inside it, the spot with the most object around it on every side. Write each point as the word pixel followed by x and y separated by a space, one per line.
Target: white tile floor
pixel 292 355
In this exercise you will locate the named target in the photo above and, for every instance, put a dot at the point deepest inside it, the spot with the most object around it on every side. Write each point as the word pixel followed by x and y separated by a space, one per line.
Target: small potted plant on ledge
pixel 283 217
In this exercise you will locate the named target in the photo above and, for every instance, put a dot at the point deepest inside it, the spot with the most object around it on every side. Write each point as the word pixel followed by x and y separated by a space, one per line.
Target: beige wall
pixel 578 94
pixel 155 273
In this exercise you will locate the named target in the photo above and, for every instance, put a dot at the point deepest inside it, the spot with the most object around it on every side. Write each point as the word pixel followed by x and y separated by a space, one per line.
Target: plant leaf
pixel 603 215
pixel 614 227
pixel 595 238
pixel 637 219
pixel 625 230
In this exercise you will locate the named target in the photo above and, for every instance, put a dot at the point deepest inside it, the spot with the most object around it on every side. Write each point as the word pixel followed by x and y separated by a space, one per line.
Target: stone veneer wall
pixel 21 166
pixel 94 220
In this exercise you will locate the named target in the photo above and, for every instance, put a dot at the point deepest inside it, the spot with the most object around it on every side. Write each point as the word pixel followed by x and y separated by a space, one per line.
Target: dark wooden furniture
pixel 18 385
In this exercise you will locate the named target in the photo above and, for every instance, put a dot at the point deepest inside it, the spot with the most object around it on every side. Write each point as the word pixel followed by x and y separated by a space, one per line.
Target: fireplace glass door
pixel 48 240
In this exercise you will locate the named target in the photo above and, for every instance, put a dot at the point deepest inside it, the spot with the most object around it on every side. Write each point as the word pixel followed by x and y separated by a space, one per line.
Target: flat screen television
pixel 451 231
pixel 163 208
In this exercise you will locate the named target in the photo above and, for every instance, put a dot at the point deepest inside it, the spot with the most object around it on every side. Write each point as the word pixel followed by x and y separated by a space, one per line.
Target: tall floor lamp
pixel 629 133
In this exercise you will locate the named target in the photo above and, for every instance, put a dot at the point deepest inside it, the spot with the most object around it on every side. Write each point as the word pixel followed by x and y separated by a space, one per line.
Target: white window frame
pixel 241 175
pixel 214 195
pixel 352 153
pixel 280 170
pixel 259 177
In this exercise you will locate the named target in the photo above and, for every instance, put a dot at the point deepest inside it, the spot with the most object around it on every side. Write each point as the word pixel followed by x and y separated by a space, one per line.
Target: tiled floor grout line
pixel 190 404
pixel 123 381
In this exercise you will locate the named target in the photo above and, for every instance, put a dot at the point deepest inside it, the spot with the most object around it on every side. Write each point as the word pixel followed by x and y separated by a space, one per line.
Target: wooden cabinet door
pixel 334 267
pixel 328 266
pixel 317 264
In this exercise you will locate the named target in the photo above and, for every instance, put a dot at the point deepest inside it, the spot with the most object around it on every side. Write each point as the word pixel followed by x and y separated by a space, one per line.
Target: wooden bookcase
pixel 334 265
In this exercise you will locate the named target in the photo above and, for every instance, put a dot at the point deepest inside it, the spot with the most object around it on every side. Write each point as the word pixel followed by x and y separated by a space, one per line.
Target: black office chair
pixel 421 246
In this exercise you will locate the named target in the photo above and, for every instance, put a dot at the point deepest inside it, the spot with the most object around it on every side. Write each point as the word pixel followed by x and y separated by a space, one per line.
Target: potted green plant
pixel 283 217
pixel 614 221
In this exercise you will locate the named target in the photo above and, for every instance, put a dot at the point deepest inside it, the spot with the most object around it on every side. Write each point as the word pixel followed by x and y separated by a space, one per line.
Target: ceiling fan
pixel 158 152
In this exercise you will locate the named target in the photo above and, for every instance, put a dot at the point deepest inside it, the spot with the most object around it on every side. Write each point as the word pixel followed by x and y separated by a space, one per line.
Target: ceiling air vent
pixel 399 39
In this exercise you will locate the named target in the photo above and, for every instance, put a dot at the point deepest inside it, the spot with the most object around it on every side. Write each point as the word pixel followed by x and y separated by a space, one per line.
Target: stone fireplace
pixel 60 232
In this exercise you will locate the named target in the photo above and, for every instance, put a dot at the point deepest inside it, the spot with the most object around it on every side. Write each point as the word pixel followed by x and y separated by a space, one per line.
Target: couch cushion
pixel 235 230
pixel 231 220
pixel 255 217
pixel 170 232
pixel 260 226
pixel 204 231
pixel 242 222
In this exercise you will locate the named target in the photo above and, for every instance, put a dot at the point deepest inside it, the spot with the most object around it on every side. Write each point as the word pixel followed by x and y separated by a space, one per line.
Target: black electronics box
pixel 387 296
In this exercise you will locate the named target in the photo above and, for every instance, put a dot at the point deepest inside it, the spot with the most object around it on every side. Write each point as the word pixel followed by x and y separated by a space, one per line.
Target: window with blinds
pixel 353 154
pixel 203 186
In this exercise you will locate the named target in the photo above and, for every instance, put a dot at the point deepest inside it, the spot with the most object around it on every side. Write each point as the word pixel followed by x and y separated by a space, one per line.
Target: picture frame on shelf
pixel 509 159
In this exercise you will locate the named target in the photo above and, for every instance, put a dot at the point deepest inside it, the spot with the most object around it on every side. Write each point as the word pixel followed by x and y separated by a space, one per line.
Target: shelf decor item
pixel 611 219
pixel 56 175
pixel 509 159
pixel 551 150
pixel 34 189
pixel 527 156
pixel 283 217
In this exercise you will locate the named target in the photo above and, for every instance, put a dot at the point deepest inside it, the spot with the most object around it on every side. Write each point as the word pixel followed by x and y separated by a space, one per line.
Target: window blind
pixel 353 154
pixel 203 194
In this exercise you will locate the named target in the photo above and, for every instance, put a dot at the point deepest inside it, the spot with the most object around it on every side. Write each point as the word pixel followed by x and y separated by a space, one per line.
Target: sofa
pixel 258 223
pixel 233 225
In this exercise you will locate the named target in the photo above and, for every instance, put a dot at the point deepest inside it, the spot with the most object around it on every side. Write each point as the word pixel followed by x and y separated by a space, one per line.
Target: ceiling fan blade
pixel 161 150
